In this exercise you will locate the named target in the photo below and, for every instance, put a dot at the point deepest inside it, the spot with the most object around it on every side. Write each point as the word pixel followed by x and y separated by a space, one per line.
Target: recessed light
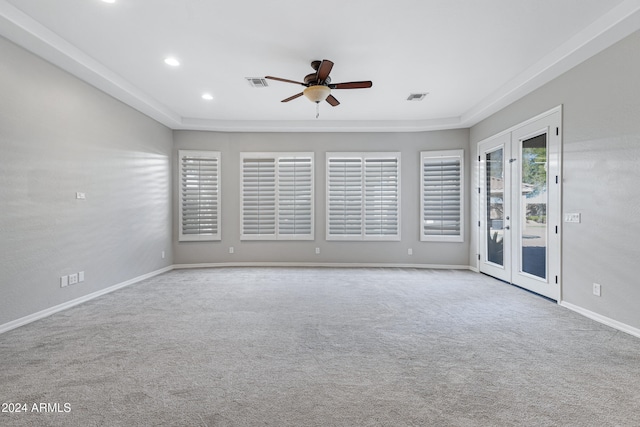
pixel 207 96
pixel 109 1
pixel 172 61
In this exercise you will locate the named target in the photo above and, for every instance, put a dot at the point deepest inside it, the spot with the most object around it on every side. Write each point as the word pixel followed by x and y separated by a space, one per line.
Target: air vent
pixel 417 96
pixel 257 81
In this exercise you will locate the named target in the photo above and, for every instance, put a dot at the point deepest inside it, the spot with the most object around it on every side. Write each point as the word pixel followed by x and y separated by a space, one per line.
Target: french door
pixel 520 205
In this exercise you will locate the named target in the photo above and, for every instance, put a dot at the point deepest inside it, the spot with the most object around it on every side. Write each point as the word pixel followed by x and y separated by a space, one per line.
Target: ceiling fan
pixel 318 85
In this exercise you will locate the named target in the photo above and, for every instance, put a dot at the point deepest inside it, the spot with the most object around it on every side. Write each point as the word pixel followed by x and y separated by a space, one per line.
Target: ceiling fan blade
pixel 285 80
pixel 351 85
pixel 297 95
pixel 333 101
pixel 324 70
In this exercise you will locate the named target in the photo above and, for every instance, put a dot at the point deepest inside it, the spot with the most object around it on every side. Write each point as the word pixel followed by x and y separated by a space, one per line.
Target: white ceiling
pixel 472 57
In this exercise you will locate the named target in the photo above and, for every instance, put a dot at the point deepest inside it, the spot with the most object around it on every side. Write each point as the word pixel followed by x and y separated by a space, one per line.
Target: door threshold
pixel 520 287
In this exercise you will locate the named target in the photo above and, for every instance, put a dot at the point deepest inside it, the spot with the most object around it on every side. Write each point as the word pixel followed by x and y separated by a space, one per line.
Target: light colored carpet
pixel 321 347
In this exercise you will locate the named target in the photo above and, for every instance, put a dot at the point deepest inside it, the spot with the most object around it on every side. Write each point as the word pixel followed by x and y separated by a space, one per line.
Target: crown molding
pixel 610 28
pixel 26 32
pixel 23 30
pixel 320 125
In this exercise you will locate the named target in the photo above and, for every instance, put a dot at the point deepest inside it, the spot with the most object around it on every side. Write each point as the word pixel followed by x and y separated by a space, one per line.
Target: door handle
pixel 506 227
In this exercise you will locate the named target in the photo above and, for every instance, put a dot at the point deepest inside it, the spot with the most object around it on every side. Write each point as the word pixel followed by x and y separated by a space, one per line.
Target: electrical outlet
pixel 231 250
pixel 409 251
pixel 597 289
pixel 317 251
pixel 162 254
pixel 73 278
pixel 81 276
pixel 64 281
pixel 81 196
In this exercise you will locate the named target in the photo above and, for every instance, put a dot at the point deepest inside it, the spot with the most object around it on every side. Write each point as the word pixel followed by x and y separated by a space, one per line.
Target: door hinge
pixel 478 223
pixel 478 257
pixel 478 190
pixel 556 179
pixel 556 280
pixel 557 131
pixel 556 229
pixel 479 158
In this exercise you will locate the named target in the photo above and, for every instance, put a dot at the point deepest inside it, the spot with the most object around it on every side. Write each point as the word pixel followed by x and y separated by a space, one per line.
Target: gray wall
pixel 59 136
pixel 409 144
pixel 601 176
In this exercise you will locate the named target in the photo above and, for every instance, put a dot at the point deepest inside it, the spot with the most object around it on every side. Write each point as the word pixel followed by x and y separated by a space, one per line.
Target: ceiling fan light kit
pixel 318 85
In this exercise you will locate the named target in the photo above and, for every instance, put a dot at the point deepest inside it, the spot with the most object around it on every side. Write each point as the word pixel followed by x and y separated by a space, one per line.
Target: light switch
pixel 572 217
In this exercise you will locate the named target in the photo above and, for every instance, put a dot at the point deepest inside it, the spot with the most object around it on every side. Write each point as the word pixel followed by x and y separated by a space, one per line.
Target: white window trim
pixel 363 156
pixel 277 156
pixel 182 237
pixel 442 154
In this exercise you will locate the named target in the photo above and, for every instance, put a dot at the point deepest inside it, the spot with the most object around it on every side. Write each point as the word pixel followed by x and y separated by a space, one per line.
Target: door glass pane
pixel 533 231
pixel 495 206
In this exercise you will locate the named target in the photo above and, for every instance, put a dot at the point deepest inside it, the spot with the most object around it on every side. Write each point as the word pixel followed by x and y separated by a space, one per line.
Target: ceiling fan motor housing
pixel 310 79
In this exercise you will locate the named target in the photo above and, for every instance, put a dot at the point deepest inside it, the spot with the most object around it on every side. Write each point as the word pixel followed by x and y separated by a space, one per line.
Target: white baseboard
pixel 52 310
pixel 321 264
pixel 602 319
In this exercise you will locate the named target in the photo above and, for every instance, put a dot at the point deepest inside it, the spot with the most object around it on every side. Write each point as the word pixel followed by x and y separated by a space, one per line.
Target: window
pixel 199 195
pixel 363 196
pixel 442 195
pixel 277 196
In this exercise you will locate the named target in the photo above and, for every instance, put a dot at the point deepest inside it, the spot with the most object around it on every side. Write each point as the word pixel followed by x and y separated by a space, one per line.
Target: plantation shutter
pixel 363 195
pixel 344 202
pixel 381 197
pixel 442 192
pixel 258 197
pixel 199 195
pixel 277 196
pixel 295 191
